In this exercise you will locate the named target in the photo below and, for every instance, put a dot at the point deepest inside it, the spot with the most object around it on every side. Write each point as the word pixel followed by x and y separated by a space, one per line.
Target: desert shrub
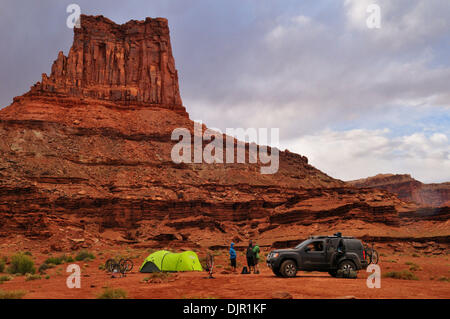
pixel 13 294
pixel 5 278
pixel 404 274
pixel 443 278
pixel 101 267
pixel 32 277
pixel 27 253
pixel 47 277
pixel 415 255
pixel 109 293
pixel 44 267
pixel 59 260
pixel 84 255
pixel 413 266
pixel 391 261
pixel 21 264
pixel 2 265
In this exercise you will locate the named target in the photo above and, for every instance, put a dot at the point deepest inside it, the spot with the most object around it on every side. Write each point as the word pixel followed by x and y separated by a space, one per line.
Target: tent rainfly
pixel 164 260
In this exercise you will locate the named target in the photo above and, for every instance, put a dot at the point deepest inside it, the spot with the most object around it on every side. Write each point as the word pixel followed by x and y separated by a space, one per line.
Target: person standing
pixel 250 257
pixel 233 257
pixel 256 251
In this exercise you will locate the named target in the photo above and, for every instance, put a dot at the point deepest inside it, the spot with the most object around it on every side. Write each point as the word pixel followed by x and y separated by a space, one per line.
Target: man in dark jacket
pixel 250 257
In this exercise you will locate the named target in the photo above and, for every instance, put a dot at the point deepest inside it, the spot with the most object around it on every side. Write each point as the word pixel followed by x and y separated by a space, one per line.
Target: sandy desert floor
pixel 432 272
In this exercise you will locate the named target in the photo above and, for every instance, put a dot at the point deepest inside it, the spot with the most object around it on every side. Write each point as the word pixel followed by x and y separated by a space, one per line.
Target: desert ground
pixel 431 272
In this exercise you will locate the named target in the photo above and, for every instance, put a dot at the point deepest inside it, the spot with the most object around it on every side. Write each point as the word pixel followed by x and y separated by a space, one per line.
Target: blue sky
pixel 356 101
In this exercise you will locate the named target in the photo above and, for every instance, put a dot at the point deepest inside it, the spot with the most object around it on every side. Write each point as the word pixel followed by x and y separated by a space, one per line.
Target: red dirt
pixel 195 285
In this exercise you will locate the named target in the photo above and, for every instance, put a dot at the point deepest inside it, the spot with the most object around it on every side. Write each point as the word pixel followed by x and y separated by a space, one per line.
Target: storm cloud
pixel 357 101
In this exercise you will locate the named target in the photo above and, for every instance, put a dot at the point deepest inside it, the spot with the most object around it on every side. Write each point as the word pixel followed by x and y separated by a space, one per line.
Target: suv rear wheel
pixel 347 265
pixel 288 268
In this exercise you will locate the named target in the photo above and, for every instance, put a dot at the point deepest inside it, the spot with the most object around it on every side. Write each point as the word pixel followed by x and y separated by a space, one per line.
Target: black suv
pixel 319 253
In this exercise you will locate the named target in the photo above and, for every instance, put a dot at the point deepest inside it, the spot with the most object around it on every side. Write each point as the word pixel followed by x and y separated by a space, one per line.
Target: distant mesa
pixel 408 189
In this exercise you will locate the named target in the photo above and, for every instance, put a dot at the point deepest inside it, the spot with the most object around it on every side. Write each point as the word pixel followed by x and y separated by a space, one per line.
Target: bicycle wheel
pixel 368 254
pixel 126 265
pixel 374 258
pixel 109 265
pixel 210 261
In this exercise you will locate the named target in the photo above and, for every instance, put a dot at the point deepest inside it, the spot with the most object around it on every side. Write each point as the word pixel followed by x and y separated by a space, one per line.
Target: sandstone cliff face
pixel 409 189
pixel 132 62
pixel 87 152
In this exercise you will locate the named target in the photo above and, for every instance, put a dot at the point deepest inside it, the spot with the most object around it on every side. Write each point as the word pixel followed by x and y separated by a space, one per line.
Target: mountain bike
pixel 122 266
pixel 210 265
pixel 371 255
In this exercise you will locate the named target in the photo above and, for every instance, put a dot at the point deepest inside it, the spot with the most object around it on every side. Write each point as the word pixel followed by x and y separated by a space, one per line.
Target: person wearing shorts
pixel 256 251
pixel 250 257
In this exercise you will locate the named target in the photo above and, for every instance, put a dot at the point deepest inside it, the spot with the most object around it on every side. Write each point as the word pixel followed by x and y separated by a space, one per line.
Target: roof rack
pixel 332 236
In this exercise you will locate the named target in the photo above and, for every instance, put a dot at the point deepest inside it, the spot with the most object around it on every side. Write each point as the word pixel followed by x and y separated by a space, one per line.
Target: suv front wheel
pixel 276 272
pixel 347 265
pixel 288 268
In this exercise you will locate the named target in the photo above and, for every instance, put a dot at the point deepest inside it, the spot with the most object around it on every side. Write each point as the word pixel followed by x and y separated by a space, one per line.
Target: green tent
pixel 164 260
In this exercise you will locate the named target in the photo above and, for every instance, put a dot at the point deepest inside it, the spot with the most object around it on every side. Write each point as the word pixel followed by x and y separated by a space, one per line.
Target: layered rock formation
pixel 132 62
pixel 85 156
pixel 409 189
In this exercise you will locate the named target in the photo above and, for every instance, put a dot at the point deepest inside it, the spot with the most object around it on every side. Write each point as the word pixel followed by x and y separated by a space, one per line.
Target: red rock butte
pixel 85 157
pixel 408 189
pixel 127 63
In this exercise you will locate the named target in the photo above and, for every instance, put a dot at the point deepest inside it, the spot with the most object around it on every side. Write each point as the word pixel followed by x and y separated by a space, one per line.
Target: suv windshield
pixel 303 244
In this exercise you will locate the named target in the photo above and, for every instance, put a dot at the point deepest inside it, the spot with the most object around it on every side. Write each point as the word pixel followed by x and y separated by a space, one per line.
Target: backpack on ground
pixel 245 271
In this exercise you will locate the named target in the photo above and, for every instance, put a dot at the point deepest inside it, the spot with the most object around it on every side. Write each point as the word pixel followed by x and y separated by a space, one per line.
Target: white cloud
pixel 439 138
pixel 356 154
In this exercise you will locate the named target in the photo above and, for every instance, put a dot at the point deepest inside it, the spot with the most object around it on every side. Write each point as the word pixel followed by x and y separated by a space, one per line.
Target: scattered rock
pixel 281 295
pixel 56 247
